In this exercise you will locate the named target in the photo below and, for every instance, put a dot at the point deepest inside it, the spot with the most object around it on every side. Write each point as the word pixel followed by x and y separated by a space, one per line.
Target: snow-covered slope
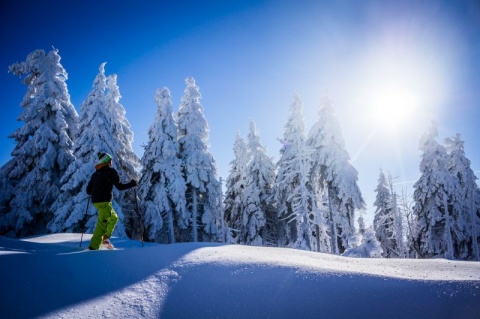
pixel 50 276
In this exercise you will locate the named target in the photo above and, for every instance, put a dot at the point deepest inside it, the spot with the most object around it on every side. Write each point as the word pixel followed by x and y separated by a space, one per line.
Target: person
pixel 100 189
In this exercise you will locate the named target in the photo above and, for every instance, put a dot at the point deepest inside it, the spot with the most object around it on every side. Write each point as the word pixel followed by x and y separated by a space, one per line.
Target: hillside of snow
pixel 52 277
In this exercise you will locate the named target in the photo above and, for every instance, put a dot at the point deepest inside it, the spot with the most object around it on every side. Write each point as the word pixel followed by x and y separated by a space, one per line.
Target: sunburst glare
pixel 393 105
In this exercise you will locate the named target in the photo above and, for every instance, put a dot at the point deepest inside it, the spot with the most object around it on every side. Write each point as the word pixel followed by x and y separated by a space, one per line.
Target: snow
pixel 50 276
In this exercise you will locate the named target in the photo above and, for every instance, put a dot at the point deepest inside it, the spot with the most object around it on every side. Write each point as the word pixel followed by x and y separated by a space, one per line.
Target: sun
pixel 392 105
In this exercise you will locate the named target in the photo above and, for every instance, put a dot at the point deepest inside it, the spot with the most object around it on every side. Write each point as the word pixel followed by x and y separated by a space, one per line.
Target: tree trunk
pixel 474 227
pixel 333 229
pixel 170 224
pixel 449 253
pixel 222 212
pixel 195 215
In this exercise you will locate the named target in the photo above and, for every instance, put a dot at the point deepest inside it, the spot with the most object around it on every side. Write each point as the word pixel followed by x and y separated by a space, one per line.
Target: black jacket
pixel 101 184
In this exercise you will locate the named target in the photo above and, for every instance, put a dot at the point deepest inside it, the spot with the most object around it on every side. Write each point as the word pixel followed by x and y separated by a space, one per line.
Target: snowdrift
pixel 51 277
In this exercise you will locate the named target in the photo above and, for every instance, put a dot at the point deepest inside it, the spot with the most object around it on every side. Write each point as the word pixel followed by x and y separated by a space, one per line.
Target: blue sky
pixel 249 57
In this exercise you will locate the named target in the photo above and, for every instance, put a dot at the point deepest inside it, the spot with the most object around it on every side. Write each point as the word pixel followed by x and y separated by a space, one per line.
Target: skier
pixel 100 188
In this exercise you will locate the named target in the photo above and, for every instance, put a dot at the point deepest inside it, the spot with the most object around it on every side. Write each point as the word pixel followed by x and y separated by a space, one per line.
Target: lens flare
pixel 393 105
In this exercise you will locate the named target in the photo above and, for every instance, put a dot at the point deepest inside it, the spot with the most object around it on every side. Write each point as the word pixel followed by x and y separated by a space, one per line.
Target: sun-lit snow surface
pixel 51 276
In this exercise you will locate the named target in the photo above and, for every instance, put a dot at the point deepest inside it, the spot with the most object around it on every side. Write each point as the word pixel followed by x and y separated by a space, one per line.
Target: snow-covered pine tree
pixel 128 165
pixel 433 194
pixel 369 246
pixel 235 183
pixel 405 204
pixel 72 208
pixel 162 187
pixel 385 218
pixel 466 229
pixel 399 223
pixel 361 223
pixel 293 189
pixel 323 230
pixel 31 179
pixel 102 122
pixel 259 219
pixel 333 175
pixel 203 196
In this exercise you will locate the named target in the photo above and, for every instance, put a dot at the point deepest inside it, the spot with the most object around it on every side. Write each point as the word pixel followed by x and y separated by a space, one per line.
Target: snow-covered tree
pixel 361 223
pixel 162 187
pixel 333 175
pixel 30 181
pixel 120 138
pixel 103 128
pixel 203 196
pixel 369 246
pixel 384 222
pixel 259 220
pixel 405 209
pixel 293 189
pixel 72 209
pixel 466 228
pixel 433 200
pixel 235 183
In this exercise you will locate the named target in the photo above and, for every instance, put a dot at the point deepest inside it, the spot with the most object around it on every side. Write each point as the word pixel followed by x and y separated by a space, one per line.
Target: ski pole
pixel 139 216
pixel 140 220
pixel 84 221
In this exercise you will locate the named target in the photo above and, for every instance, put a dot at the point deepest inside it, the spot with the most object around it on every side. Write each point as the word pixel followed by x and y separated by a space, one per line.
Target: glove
pixel 133 183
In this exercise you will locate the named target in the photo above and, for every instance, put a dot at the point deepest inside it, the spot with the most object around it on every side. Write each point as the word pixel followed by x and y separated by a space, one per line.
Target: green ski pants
pixel 107 219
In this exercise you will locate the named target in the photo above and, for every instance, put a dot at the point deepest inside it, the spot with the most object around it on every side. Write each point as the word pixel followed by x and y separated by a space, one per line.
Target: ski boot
pixel 106 242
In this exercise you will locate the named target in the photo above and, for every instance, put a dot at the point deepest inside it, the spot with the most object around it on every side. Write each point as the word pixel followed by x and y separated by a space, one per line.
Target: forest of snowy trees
pixel 309 199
